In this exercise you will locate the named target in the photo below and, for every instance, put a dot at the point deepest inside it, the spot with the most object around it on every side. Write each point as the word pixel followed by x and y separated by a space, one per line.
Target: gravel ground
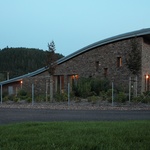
pixel 22 111
pixel 82 105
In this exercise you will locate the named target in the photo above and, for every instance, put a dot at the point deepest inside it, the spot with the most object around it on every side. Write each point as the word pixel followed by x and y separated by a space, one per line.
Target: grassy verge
pixel 132 135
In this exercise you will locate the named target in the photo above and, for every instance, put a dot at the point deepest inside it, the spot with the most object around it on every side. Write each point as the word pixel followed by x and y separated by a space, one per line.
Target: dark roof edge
pixel 119 37
pixel 24 76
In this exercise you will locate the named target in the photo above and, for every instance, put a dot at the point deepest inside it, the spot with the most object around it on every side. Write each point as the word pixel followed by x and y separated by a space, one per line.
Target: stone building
pixel 103 59
pixel 107 58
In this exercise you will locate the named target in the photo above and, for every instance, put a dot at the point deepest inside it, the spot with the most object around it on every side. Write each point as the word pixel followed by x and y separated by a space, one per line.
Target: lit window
pixel 119 61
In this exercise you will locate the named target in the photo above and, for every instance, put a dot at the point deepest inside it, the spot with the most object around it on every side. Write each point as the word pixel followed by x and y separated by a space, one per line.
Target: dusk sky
pixel 71 24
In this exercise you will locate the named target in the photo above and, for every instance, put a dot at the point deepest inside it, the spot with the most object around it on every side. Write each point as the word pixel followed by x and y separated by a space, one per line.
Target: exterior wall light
pixel 75 76
pixel 147 83
pixel 147 76
pixel 21 83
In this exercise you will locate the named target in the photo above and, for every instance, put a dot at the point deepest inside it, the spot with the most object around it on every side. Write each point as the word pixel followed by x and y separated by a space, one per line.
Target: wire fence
pixel 36 94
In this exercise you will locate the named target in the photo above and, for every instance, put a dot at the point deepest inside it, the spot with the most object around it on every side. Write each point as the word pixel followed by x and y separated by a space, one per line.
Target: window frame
pixel 119 61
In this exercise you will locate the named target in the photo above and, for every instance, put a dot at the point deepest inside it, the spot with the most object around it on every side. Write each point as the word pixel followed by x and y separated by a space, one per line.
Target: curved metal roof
pixel 137 33
pixel 24 76
pixel 142 32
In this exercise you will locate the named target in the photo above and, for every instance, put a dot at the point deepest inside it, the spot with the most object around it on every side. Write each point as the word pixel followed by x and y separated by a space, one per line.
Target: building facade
pixel 108 59
pixel 104 59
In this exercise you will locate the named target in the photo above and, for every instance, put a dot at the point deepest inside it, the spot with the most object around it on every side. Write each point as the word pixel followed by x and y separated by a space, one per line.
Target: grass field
pixel 129 135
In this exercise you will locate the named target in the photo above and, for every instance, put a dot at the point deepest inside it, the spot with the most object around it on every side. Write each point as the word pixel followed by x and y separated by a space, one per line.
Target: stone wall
pixel 93 63
pixel 41 83
pixel 99 62
pixel 16 86
pixel 145 61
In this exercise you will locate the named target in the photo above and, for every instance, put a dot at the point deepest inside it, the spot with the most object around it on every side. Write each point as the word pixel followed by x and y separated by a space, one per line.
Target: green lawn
pixel 129 135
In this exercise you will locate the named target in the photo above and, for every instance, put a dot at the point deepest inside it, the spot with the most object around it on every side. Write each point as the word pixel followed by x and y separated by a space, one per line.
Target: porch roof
pixel 19 78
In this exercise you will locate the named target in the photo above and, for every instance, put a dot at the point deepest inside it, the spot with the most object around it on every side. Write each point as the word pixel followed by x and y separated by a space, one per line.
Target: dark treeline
pixel 19 61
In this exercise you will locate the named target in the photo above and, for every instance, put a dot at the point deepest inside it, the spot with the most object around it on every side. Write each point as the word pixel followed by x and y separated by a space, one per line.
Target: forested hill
pixel 19 61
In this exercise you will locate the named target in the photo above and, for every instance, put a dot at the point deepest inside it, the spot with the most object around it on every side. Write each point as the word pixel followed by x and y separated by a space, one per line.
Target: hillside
pixel 19 61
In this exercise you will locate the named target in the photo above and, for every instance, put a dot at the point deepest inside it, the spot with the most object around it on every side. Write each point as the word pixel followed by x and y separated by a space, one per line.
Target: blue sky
pixel 72 24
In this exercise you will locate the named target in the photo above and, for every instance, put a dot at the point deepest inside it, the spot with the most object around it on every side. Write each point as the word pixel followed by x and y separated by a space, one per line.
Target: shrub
pixel 11 97
pixel 93 99
pixel 144 98
pixel 103 95
pixel 22 92
pixel 109 95
pixel 40 98
pixel 5 94
pixel 82 88
pixel 61 97
pixel 98 85
pixel 5 98
pixel 86 87
pixel 121 97
pixel 138 99
pixel 16 99
pixel 29 99
pixel 22 95
pixel 147 93
pixel 105 85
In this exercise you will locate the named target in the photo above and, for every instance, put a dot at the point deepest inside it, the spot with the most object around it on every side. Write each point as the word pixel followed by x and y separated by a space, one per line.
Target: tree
pixel 51 64
pixel 51 58
pixel 133 60
pixel 2 77
pixel 20 61
pixel 133 63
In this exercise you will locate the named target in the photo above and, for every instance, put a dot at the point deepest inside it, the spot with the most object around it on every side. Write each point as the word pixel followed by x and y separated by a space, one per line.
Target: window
pixel 119 61
pixel 105 72
pixel 97 65
pixel 10 90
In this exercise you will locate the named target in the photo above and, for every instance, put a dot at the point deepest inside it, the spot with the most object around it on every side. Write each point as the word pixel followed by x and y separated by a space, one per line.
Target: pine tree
pixel 51 58
pixel 51 64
